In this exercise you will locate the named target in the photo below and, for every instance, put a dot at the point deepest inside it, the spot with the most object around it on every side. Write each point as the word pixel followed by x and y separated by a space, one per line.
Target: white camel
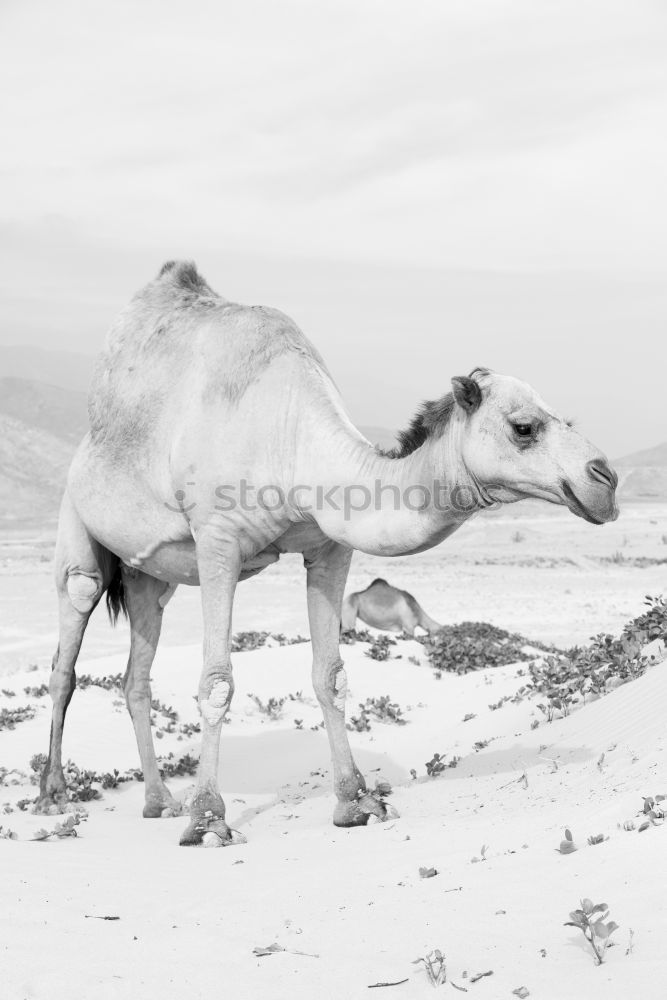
pixel 382 606
pixel 218 441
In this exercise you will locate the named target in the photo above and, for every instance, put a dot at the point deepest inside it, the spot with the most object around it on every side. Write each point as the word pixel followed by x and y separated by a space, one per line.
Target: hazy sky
pixel 424 186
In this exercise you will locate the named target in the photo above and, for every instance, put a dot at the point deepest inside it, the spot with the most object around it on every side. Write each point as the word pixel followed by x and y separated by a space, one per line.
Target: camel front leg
pixel 219 561
pixel 82 575
pixel 327 572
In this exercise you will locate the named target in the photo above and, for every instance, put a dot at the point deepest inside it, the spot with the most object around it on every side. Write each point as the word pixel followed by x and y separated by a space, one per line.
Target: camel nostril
pixel 602 473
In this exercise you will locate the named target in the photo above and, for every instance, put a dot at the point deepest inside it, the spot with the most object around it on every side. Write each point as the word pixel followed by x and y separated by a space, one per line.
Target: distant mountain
pixel 40 427
pixel 60 412
pixel 650 457
pixel 643 475
pixel 62 368
pixel 33 470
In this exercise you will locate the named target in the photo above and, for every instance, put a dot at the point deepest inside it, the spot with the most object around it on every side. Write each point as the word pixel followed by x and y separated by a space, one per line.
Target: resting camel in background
pixel 382 606
pixel 196 397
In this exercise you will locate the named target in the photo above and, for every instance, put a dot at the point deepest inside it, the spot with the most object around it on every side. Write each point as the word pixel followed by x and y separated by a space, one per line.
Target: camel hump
pixel 183 274
pixel 378 581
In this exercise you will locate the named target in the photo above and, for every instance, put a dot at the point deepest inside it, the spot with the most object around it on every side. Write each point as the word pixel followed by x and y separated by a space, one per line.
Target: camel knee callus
pixel 194 391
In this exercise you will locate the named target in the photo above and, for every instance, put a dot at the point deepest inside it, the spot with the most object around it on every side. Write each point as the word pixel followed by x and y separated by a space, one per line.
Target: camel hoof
pixel 349 814
pixel 48 806
pixel 211 839
pixel 362 810
pixel 390 812
pixel 200 826
pixel 168 812
pixel 162 810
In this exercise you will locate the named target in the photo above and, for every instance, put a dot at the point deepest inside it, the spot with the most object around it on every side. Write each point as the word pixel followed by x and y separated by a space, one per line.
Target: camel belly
pixel 176 562
pixel 388 623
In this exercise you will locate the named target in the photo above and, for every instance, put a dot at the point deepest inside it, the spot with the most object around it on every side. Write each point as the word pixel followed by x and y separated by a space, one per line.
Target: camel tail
pixel 116 603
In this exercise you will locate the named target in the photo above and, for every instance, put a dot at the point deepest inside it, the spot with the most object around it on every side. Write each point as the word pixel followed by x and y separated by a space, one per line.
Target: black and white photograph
pixel 333 499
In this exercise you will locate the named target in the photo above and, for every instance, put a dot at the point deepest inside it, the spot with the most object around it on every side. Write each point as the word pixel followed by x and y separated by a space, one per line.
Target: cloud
pixel 374 130
pixel 363 166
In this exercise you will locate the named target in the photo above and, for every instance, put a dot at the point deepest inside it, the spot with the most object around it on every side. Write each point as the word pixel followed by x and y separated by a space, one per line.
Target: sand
pixel 189 919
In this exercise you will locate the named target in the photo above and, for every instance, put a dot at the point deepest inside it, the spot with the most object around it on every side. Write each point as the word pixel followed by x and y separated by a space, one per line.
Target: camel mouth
pixel 578 508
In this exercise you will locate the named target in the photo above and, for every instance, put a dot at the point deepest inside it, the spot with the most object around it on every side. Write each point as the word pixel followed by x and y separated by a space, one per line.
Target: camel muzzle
pixel 600 472
pixel 602 511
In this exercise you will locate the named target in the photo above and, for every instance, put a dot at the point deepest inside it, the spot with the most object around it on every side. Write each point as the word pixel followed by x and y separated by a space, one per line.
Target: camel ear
pixel 466 392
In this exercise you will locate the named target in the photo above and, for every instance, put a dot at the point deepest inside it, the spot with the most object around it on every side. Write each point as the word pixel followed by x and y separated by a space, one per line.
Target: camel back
pixel 178 338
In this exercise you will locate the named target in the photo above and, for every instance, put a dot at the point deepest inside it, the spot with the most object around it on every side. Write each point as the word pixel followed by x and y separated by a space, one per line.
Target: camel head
pixel 514 446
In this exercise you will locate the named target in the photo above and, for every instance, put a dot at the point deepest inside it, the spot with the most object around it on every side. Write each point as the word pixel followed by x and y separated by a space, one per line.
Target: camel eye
pixel 523 430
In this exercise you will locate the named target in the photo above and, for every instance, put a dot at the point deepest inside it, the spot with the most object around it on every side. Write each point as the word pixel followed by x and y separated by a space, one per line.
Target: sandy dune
pixel 189 919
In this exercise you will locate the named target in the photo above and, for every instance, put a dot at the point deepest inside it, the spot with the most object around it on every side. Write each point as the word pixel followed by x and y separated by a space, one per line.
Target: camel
pixel 382 606
pixel 218 441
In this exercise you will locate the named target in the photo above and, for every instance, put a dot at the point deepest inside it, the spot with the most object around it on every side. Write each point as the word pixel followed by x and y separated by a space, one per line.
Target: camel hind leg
pixel 145 598
pixel 83 571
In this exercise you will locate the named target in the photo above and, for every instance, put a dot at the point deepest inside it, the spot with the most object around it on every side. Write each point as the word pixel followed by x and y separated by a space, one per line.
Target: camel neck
pixel 394 506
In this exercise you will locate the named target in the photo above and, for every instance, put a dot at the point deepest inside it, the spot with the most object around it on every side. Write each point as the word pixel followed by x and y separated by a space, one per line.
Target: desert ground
pixel 350 907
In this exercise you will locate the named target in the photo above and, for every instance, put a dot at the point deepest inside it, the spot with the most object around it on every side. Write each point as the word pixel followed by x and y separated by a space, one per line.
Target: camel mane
pixel 430 420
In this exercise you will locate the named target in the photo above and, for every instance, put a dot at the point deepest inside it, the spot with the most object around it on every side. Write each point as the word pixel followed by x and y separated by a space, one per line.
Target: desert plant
pixel 243 641
pixel 590 920
pixel 81 783
pixel 499 704
pixel 481 744
pixel 37 763
pixel 5 772
pixel 437 764
pixel 482 855
pixel 171 768
pixel 61 830
pixel 383 709
pixel 379 649
pixel 273 708
pixel 167 712
pixel 107 683
pixel 37 692
pixel 10 717
pixel 353 635
pixel 654 810
pixel 189 728
pixel 567 845
pixel 474 646
pixel 434 967
pixel 283 640
pixel 360 723
pixel 568 678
